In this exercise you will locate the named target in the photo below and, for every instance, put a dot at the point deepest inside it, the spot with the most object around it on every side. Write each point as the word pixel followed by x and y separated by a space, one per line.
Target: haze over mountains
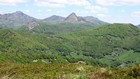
pixel 17 19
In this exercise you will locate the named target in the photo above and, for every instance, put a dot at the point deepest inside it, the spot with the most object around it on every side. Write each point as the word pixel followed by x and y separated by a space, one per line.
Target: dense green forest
pixel 112 45
pixel 58 28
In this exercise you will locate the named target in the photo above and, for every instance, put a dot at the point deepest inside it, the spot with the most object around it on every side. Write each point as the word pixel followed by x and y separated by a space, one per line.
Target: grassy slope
pixel 65 71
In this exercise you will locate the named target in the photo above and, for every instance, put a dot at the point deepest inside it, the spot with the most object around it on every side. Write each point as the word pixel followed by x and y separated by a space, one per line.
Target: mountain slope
pixel 12 41
pixel 109 43
pixel 59 28
pixel 94 20
pixel 15 20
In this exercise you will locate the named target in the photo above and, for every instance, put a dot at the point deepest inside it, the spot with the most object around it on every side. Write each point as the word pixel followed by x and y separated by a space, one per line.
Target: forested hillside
pixel 113 45
pixel 58 28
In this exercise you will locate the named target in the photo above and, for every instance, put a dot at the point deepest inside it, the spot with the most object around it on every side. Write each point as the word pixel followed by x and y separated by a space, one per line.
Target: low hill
pixel 12 41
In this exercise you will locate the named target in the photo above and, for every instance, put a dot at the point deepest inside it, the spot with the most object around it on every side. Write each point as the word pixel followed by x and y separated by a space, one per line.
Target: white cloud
pixel 50 3
pixel 102 15
pixel 49 10
pixel 39 11
pixel 123 11
pixel 12 2
pixel 78 2
pixel 135 14
pixel 27 11
pixel 61 3
pixel 96 9
pixel 117 2
pixel 1 12
pixel 86 4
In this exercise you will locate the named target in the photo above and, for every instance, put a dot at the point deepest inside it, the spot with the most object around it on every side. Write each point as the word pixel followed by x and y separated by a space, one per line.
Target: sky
pixel 112 11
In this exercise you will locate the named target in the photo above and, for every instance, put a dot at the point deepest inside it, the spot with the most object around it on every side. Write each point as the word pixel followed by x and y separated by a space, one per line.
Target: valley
pixel 73 47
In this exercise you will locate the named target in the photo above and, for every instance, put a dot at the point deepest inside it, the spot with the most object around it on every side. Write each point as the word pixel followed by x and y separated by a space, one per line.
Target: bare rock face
pixel 73 18
pixel 32 24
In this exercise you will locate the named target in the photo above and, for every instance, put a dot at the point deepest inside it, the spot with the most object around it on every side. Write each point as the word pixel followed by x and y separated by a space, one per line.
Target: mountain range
pixel 73 18
pixel 68 40
pixel 17 19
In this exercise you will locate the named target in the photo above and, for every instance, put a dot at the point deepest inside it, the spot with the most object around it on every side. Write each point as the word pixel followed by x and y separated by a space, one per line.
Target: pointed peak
pixel 72 18
pixel 73 14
